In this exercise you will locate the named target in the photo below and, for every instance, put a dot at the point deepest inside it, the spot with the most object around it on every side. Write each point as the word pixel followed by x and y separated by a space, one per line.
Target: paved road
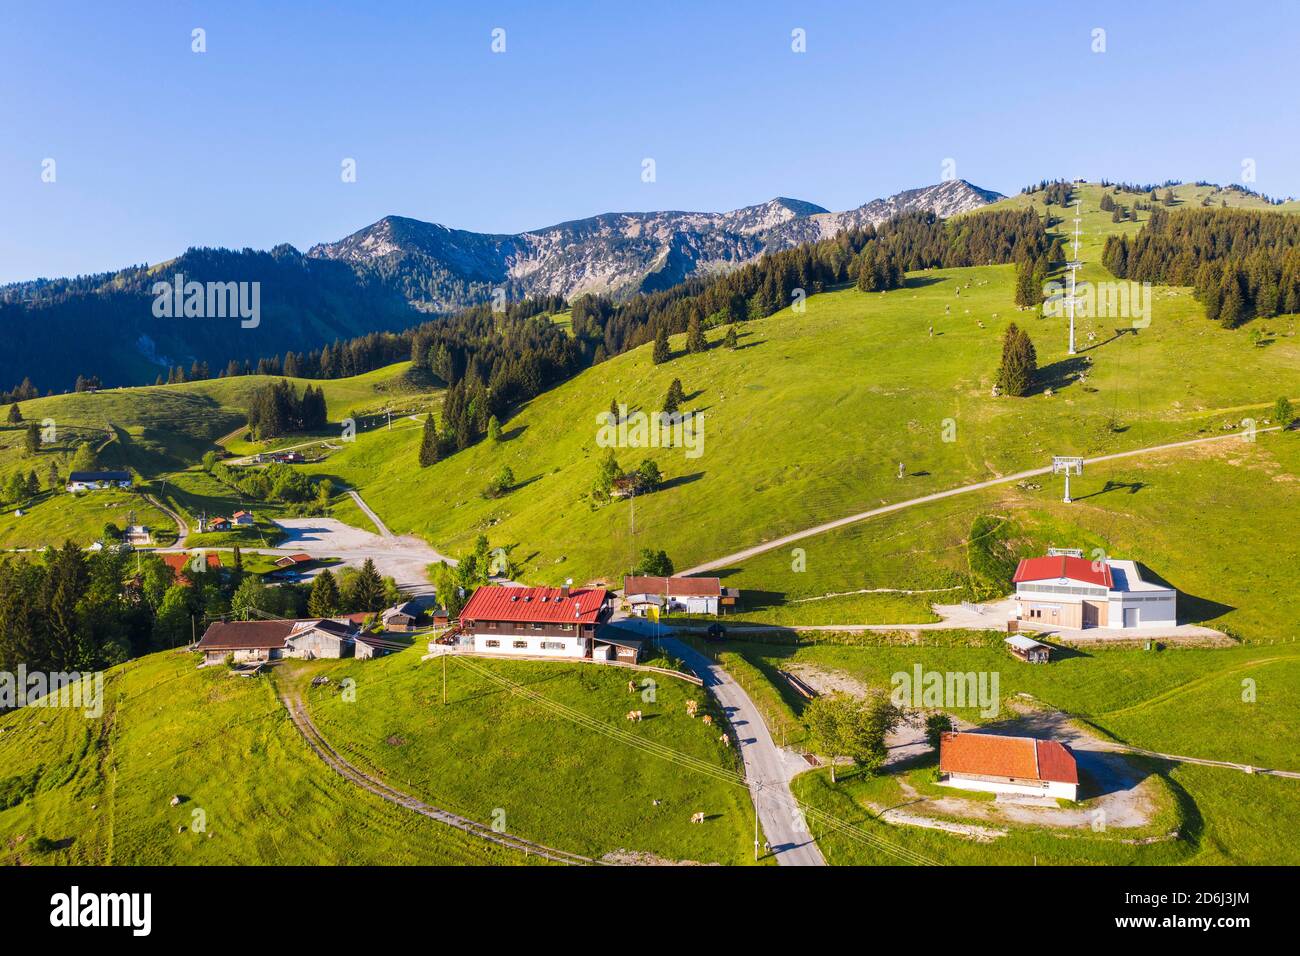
pixel 182 529
pixel 369 513
pixel 766 768
pixel 781 542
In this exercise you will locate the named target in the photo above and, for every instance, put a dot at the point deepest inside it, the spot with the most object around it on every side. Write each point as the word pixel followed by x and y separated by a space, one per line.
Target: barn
pixel 1018 766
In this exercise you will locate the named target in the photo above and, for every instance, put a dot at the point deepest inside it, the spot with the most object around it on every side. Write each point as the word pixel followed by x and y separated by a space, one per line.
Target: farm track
pixel 782 541
pixel 292 702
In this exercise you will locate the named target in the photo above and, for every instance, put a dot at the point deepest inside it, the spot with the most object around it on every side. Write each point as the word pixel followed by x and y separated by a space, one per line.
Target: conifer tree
pixel 1019 362
pixel 661 351
pixel 695 340
pixel 428 442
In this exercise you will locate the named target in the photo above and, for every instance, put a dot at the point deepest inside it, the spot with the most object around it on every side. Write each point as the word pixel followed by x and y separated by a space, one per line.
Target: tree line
pixel 1241 263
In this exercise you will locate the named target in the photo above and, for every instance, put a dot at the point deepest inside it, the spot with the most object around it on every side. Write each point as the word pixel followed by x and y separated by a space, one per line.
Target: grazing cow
pixel 724 740
pixel 708 721
pixel 634 715
pixel 697 818
pixel 691 707
pixel 631 687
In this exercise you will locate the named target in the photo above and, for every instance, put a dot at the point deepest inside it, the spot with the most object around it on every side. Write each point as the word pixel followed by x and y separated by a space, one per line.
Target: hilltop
pixel 808 419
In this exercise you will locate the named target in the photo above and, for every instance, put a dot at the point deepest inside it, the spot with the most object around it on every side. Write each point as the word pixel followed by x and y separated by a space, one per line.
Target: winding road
pixel 768 770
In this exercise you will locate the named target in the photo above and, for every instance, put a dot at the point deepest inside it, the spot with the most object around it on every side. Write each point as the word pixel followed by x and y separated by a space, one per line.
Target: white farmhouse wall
pixel 571 646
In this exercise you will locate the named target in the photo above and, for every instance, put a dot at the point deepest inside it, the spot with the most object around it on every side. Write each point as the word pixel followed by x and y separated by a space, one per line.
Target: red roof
pixel 1064 566
pixel 673 587
pixel 991 755
pixel 179 561
pixel 535 605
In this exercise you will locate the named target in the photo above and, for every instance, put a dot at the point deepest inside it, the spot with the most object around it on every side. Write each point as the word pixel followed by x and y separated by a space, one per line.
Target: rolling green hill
pixel 98 790
pixel 159 431
pixel 810 417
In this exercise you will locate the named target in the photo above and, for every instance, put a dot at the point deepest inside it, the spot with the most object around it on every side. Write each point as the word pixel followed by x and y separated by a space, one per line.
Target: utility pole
pixel 756 796
pixel 444 680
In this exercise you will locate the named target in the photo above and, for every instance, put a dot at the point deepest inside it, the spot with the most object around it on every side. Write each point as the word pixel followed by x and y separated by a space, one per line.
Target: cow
pixel 708 721
pixel 634 715
pixel 697 818
pixel 724 740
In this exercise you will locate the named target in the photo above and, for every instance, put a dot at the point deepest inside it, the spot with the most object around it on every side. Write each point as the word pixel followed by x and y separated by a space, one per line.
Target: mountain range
pixel 394 274
pixel 615 254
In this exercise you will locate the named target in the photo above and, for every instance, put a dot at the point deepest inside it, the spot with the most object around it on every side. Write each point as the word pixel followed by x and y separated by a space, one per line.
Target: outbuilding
pixel 1018 766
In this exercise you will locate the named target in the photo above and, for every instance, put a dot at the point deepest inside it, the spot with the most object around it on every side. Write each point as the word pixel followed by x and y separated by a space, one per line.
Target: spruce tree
pixel 15 414
pixel 730 340
pixel 428 442
pixel 661 351
pixel 1019 362
pixel 695 340
pixel 324 598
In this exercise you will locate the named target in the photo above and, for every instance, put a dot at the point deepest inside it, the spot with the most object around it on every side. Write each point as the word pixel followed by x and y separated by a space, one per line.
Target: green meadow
pixel 99 791
pixel 488 752
pixel 809 419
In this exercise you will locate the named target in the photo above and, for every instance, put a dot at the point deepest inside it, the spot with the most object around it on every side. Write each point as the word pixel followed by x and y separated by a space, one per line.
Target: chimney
pixel 564 591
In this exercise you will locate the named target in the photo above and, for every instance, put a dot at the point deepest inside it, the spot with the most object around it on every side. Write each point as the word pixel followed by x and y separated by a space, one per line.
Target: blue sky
pixel 158 148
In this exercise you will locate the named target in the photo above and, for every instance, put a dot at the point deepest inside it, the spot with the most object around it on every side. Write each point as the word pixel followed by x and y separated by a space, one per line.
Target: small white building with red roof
pixel 1073 592
pixel 534 622
pixel 1020 766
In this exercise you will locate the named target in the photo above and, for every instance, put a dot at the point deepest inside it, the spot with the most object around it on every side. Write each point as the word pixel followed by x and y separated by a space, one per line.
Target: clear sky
pixel 157 148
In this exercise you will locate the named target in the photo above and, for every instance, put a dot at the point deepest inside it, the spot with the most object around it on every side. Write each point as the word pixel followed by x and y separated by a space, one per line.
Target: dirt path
pixel 292 701
pixel 781 542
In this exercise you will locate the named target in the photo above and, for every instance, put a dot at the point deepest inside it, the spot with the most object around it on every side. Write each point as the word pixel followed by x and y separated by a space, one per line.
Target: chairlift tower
pixel 1074 267
pixel 1065 465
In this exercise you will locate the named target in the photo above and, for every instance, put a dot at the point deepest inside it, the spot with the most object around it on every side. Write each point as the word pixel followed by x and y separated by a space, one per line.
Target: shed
pixel 1028 649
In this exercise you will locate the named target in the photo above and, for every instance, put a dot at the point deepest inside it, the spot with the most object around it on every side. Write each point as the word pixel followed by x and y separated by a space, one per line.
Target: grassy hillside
pixel 161 431
pixel 489 752
pixel 810 417
pixel 99 789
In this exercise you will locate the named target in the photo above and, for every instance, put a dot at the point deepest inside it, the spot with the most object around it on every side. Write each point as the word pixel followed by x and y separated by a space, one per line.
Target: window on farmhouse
pixel 536 626
pixel 493 643
pixel 521 645
pixel 552 645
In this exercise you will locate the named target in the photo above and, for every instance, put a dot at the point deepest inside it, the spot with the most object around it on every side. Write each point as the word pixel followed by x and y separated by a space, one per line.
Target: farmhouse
pixel 1072 592
pixel 403 617
pixel 273 640
pixel 217 524
pixel 1020 766
pixel 242 519
pixel 683 595
pixel 1027 649
pixel 292 560
pixel 98 480
pixel 534 622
